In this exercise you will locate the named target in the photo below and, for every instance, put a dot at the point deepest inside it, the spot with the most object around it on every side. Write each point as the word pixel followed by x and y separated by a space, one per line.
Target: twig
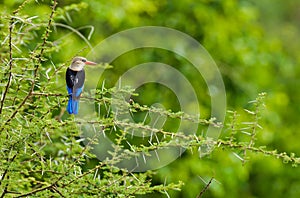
pixel 10 64
pixel 6 170
pixel 82 175
pixel 48 94
pixel 36 190
pixel 205 188
pixel 284 156
pixel 11 25
pixel 4 191
pixel 56 190
pixel 3 176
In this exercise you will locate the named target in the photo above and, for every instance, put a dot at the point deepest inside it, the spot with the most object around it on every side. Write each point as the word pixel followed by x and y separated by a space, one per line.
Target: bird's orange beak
pixel 90 63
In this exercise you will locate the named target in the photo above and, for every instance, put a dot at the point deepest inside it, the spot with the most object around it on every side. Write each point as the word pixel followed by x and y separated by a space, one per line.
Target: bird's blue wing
pixel 77 91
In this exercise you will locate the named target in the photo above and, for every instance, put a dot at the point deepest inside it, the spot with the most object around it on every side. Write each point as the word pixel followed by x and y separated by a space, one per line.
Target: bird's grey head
pixel 79 62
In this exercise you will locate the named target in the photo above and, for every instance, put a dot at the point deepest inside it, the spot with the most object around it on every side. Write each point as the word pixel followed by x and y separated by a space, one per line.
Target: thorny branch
pixel 55 183
pixel 10 63
pixel 58 183
pixel 37 64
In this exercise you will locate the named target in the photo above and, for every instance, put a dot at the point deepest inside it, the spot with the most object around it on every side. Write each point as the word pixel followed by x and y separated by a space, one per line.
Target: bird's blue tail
pixel 73 103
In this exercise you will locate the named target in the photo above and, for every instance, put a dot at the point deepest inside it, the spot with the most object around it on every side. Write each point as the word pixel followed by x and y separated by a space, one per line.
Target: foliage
pixel 43 153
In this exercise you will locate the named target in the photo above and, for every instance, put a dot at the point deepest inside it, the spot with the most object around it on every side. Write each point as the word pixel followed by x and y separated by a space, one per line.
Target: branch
pixel 35 191
pixel 240 145
pixel 47 94
pixel 3 176
pixel 56 190
pixel 11 25
pixel 82 175
pixel 10 64
pixel 51 186
pixel 6 170
pixel 205 188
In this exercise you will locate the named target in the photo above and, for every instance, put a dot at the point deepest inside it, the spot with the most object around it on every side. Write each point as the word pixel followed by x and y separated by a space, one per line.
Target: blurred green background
pixel 255 45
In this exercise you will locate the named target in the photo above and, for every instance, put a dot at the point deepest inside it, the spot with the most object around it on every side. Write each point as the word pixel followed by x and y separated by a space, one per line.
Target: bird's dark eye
pixel 83 60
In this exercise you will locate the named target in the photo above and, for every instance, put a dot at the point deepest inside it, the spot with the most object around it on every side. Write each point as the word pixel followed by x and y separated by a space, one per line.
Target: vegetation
pixel 45 152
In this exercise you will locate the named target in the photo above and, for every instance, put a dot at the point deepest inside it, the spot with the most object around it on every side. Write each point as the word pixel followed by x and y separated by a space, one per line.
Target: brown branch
pixel 56 190
pixel 36 190
pixel 6 170
pixel 10 64
pixel 47 94
pixel 4 191
pixel 205 188
pixel 11 25
pixel 12 192
pixel 3 176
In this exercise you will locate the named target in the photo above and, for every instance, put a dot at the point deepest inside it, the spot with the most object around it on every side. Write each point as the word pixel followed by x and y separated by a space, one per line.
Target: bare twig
pixel 6 170
pixel 11 25
pixel 56 190
pixel 35 191
pixel 4 191
pixel 10 63
pixel 3 176
pixel 205 188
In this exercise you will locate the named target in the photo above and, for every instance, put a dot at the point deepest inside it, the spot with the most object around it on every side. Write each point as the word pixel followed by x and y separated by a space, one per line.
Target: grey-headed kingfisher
pixel 75 77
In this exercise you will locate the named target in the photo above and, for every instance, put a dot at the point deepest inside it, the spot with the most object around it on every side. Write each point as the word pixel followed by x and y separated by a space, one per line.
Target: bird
pixel 75 77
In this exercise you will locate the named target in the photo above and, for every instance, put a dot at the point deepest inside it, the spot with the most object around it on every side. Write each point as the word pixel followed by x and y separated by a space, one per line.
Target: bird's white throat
pixel 76 67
